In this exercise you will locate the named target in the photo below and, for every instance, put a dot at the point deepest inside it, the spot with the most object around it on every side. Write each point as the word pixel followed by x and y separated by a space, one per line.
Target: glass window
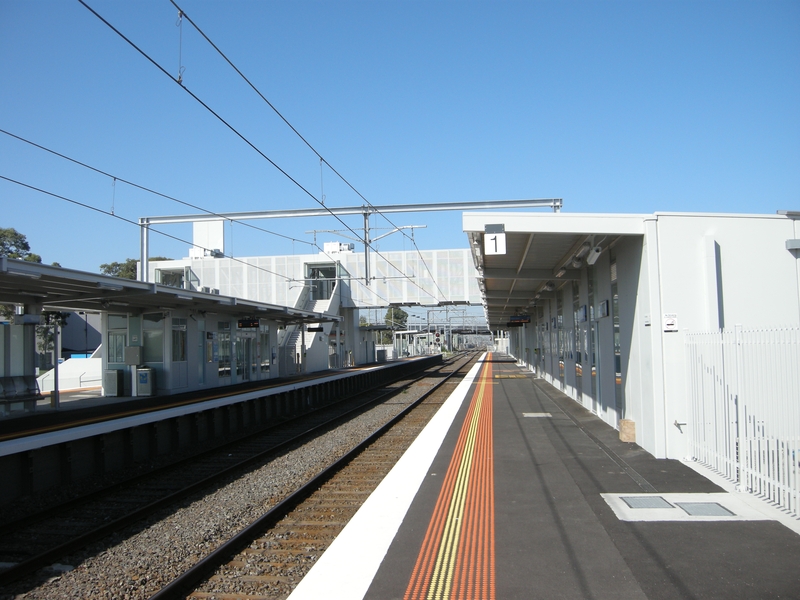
pixel 576 323
pixel 117 338
pixel 560 335
pixel 264 348
pixel 201 348
pixel 153 337
pixel 178 340
pixel 619 388
pixel 171 278
pixel 224 338
pixel 116 347
pixel 241 370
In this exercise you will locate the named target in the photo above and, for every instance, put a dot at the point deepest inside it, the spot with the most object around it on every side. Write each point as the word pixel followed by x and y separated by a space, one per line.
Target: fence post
pixel 741 424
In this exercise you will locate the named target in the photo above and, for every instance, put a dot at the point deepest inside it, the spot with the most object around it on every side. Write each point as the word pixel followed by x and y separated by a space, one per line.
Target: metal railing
pixel 745 401
pixel 70 381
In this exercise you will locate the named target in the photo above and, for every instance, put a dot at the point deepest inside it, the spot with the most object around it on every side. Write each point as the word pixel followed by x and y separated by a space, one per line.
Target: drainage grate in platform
pixel 705 509
pixel 646 502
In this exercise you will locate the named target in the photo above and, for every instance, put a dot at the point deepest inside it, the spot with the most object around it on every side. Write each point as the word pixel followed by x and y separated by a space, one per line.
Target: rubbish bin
pixel 381 356
pixel 113 382
pixel 145 381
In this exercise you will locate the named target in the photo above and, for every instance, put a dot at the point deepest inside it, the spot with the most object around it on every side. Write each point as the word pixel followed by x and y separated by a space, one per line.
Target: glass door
pixel 243 346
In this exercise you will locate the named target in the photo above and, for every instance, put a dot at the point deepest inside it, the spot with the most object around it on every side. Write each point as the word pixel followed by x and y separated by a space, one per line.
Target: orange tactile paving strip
pixel 456 560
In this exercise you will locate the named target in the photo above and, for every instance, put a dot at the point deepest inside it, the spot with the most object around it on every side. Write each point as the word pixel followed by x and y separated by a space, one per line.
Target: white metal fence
pixel 745 393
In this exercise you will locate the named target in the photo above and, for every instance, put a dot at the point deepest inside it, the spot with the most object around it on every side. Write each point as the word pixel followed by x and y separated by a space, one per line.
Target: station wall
pixel 687 273
pixel 188 351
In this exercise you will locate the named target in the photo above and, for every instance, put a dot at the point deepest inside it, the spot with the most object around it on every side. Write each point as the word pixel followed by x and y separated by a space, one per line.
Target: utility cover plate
pixel 646 502
pixel 687 507
pixel 705 509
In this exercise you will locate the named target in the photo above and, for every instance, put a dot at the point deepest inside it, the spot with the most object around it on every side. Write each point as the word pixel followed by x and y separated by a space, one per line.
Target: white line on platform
pixel 347 568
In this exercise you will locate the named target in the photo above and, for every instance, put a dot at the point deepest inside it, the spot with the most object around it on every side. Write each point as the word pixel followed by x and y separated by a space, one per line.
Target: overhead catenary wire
pixel 149 190
pixel 112 212
pixel 272 106
pixel 246 140
pixel 322 159
pixel 126 220
pixel 287 278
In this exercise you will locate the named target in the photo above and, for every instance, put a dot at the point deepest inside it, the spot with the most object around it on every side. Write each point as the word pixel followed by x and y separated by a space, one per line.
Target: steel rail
pixel 184 583
pixel 95 494
pixel 47 557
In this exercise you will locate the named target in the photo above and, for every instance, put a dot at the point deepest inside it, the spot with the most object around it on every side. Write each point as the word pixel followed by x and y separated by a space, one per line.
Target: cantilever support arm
pixel 144 249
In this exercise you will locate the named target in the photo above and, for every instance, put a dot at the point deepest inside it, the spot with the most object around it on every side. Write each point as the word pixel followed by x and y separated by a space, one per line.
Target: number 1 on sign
pixel 495 243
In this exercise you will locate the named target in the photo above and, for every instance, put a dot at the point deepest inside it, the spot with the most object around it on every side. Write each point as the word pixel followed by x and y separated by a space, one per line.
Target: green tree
pixel 126 270
pixel 395 319
pixel 14 244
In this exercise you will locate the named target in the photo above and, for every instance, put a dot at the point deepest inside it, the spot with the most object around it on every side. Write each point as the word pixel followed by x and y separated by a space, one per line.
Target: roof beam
pixel 542 274
pixel 554 203
pixel 501 295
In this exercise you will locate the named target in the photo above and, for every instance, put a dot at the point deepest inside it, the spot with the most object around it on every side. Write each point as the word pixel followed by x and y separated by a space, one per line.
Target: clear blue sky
pixel 628 107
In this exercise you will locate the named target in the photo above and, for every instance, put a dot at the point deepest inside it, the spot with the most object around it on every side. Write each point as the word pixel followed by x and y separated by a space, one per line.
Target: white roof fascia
pixel 779 215
pixel 607 224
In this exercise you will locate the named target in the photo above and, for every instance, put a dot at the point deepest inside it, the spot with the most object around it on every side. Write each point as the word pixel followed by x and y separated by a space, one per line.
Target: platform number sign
pixel 494 239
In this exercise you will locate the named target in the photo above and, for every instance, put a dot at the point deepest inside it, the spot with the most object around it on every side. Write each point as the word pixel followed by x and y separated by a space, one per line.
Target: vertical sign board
pixel 494 239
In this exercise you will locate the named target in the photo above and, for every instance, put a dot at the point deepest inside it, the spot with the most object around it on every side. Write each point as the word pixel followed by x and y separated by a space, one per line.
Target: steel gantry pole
pixel 144 248
pixel 366 211
pixel 366 246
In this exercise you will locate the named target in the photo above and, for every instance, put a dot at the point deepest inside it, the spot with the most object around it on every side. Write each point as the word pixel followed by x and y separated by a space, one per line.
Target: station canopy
pixel 523 258
pixel 50 288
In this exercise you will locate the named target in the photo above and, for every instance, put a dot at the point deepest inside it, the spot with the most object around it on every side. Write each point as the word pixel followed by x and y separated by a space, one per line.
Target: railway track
pixel 83 528
pixel 274 553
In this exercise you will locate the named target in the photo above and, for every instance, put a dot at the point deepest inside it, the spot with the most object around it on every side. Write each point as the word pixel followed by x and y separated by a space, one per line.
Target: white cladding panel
pixel 757 275
pixel 704 272
pixel 426 277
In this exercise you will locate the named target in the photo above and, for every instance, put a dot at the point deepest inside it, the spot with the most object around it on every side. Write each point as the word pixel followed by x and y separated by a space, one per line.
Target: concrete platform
pixel 516 491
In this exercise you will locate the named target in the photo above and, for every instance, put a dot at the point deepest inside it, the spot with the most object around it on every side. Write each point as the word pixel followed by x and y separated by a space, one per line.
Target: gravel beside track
pixel 140 561
pixel 275 562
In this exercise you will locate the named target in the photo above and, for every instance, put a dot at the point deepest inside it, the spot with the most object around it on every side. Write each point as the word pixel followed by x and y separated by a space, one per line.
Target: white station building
pixel 612 310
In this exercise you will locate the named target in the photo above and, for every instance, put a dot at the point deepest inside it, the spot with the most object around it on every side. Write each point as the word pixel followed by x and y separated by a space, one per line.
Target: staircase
pixel 294 339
